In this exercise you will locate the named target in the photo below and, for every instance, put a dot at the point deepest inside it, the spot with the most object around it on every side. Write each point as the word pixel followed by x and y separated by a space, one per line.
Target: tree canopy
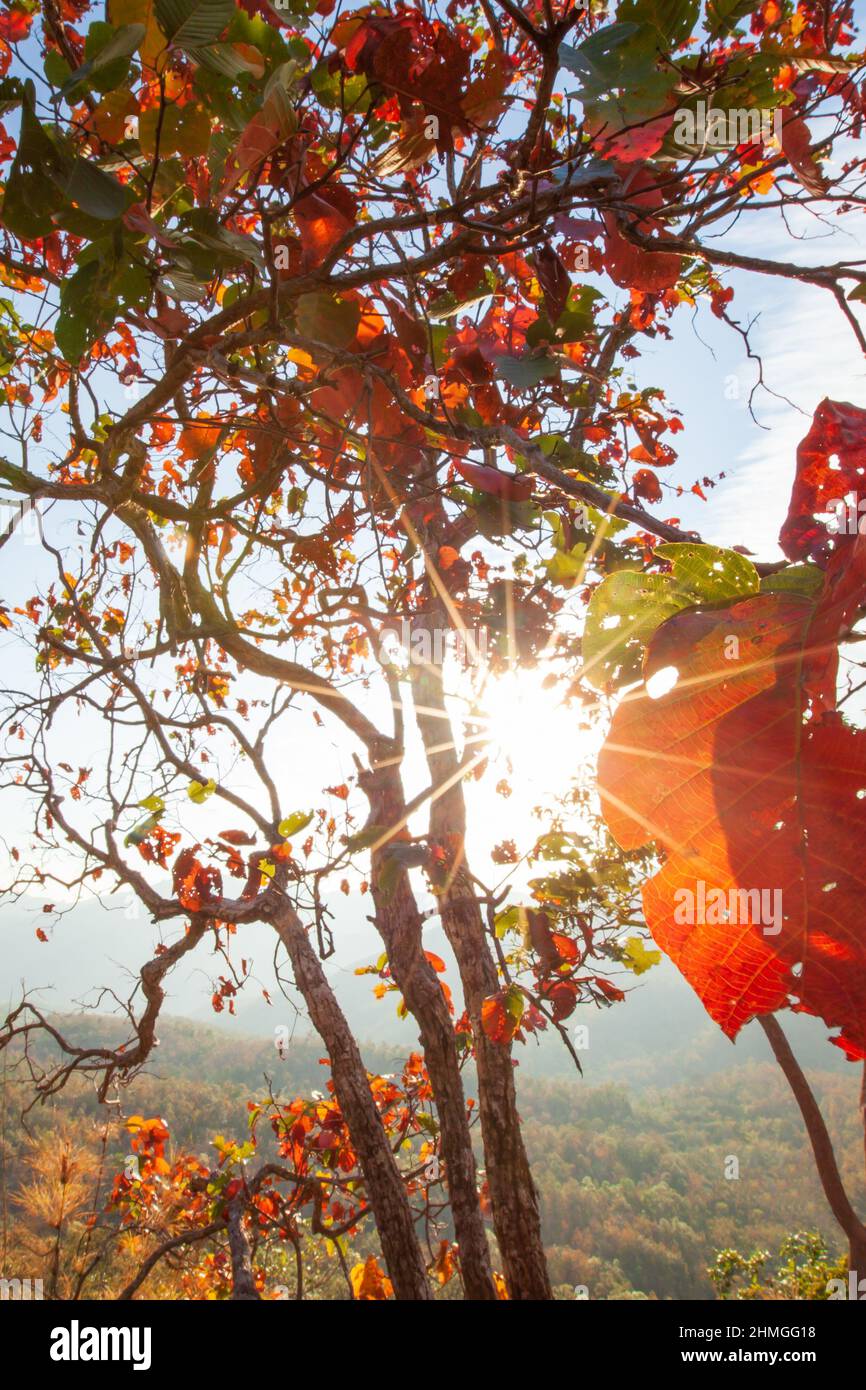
pixel 321 345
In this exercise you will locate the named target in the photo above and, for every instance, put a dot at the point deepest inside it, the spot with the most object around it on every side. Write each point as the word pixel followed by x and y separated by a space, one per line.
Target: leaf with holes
pixel 628 606
pixel 752 785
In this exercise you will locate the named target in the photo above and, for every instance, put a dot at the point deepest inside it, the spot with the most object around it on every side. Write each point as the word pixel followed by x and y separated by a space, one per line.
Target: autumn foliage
pixel 324 324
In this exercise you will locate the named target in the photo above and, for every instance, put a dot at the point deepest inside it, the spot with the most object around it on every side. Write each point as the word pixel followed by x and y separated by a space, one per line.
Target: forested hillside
pixel 634 1197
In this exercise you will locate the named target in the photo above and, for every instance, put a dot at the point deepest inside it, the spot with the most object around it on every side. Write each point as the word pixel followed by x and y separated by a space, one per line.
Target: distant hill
pixel 659 1036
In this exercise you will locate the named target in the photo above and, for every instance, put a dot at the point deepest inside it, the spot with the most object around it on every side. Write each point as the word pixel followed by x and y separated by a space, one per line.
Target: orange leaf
pixel 750 782
pixel 370 1282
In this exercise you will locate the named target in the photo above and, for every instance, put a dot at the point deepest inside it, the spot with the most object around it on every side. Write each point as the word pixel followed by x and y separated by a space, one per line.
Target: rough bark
pixel 385 1188
pixel 513 1195
pixel 399 923
pixel 822 1145
pixel 243 1284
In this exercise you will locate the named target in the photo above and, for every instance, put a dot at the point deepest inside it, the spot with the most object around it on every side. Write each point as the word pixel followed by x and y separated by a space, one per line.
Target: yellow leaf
pixel 299 820
pixel 154 44
pixel 200 791
pixel 637 957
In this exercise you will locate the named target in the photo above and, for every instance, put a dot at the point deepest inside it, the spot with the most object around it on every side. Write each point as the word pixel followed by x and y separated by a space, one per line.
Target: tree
pixel 297 344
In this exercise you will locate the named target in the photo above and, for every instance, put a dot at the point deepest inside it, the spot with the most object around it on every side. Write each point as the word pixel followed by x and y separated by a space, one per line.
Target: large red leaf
pixel 632 267
pixel 831 462
pixel 747 781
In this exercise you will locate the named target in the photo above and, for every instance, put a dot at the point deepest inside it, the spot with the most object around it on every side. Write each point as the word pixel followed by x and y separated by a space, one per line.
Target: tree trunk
pixel 385 1187
pixel 513 1195
pixel 822 1145
pixel 400 925
pixel 243 1285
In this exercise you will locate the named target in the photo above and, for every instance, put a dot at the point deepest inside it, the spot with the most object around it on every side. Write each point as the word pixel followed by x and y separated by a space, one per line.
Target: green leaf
pixel 96 192
pixel 82 312
pixel 222 58
pixel 389 876
pixel 11 94
pixel 339 89
pixel 219 247
pixel 574 323
pixel 597 52
pixel 448 305
pixel 514 1002
pixel 628 606
pixel 708 574
pixel 672 20
pixel 366 837
pixel 327 319
pixel 525 372
pixel 509 919
pixel 567 567
pixel 590 171
pixel 200 791
pixel 798 579
pixel 33 190
pixel 299 820
pixel 140 832
pixel 108 45
pixel 182 286
pixel 623 613
pixel 193 23
pixel 723 16
pixel 106 278
pixel 621 58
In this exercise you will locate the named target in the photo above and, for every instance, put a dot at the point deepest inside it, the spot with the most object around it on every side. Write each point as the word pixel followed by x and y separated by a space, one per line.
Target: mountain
pixel 659 1036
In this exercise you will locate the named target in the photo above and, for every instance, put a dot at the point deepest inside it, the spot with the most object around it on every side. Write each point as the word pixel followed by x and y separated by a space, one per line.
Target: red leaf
pixel 631 267
pixel 323 218
pixel 797 145
pixel 837 436
pixel 647 485
pixel 554 281
pixel 501 1014
pixel 754 796
pixel 197 885
pixel 508 486
pixel 638 142
pixel 562 996
pixel 566 948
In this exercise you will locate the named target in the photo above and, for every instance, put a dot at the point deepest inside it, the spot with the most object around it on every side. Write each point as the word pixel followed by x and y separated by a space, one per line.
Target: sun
pixel 536 745
pixel 529 726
